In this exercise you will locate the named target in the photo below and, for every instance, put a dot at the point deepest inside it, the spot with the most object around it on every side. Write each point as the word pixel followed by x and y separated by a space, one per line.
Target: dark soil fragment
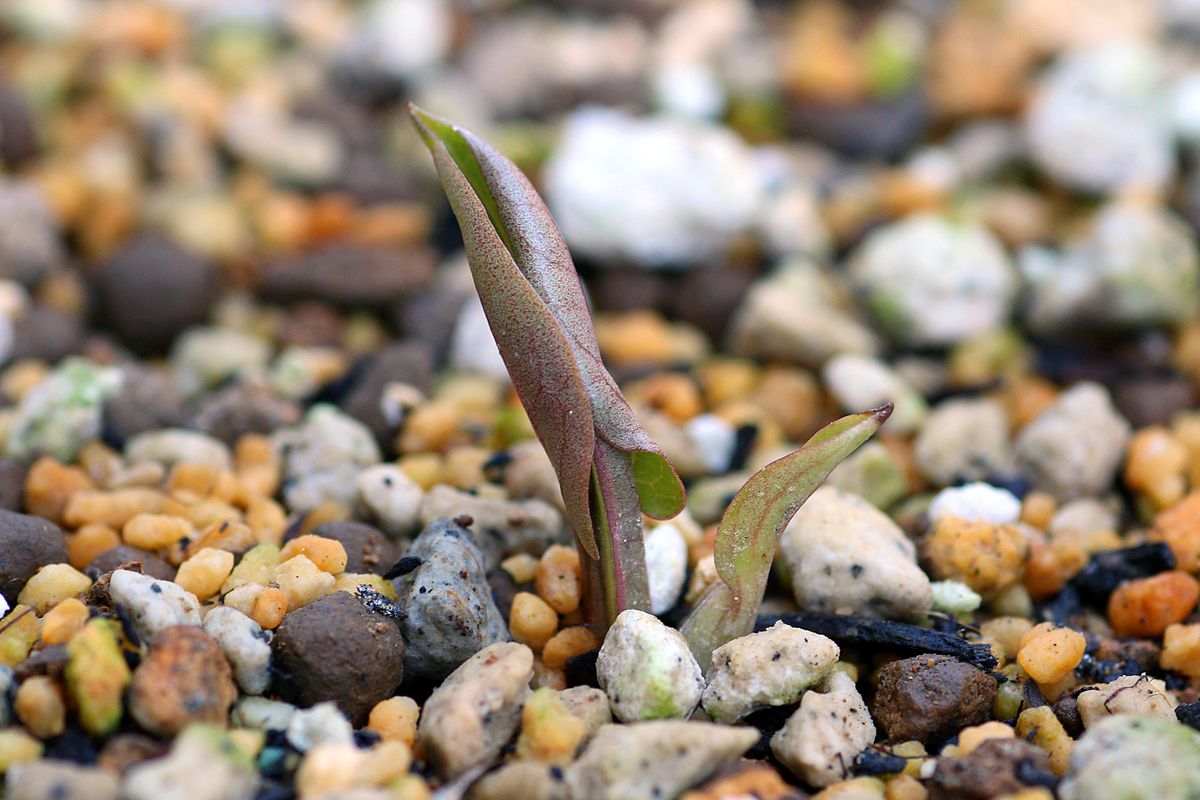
pixel 996 767
pixel 931 697
pixel 26 545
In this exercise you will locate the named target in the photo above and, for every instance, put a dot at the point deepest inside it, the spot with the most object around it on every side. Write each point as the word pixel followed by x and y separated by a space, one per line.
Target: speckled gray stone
pixel 152 605
pixel 245 644
pixel 449 613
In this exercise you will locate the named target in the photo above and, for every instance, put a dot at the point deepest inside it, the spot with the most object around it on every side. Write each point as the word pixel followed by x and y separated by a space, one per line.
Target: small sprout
pixel 750 530
pixel 609 470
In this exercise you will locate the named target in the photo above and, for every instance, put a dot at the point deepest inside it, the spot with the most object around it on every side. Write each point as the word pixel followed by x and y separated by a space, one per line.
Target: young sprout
pixel 750 529
pixel 610 471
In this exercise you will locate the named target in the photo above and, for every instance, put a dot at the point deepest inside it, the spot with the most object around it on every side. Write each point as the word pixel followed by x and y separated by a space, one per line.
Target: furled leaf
pixel 607 466
pixel 752 524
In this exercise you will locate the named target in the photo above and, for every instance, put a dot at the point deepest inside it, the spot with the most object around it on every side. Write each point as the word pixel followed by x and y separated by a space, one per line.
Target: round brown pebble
pixel 114 557
pixel 184 679
pixel 26 545
pixel 996 767
pixel 930 697
pixel 367 550
pixel 335 649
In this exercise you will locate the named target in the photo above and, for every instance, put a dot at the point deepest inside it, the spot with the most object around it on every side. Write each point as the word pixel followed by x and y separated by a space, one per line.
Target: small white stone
pixel 647 670
pixel 769 668
pixel 955 597
pixel 176 445
pixel 321 724
pixel 976 502
pixel 251 711
pixel 714 438
pixel 1128 694
pixel 963 439
pixel 323 456
pixel 392 497
pixel 152 605
pixel 472 346
pixel 844 553
pixel 822 738
pixel 1074 448
pixel 860 383
pixel 666 565
pixel 245 644
pixel 3 606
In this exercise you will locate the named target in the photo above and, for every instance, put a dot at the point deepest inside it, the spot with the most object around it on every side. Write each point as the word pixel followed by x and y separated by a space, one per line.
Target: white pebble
pixel 392 497
pixel 321 724
pixel 976 502
pixel 955 597
pixel 666 566
pixel 262 714
pixel 714 438
pixel 647 670
pixel 821 740
pixel 152 605
pixel 245 644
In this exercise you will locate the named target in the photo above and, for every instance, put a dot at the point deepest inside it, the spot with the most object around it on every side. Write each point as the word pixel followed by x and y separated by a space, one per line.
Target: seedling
pixel 610 471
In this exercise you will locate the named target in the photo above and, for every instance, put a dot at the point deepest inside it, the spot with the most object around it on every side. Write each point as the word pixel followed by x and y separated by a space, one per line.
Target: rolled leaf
pixel 752 524
pixel 538 314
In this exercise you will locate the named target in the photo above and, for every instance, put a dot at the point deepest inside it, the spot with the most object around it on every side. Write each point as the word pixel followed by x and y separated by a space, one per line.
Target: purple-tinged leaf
pixel 607 466
pixel 752 524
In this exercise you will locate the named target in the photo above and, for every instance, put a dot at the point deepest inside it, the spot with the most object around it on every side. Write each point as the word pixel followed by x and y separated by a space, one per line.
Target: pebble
pixel 976 502
pixel 245 644
pixel 152 290
pixel 474 712
pixel 824 736
pixel 63 412
pixel 120 555
pixel 843 552
pixel 178 446
pixel 1136 757
pixel 654 760
pixel 647 670
pixel 931 697
pixel 1136 266
pixel 234 411
pixel 955 597
pixel 590 705
pixel 146 400
pixel 1073 448
pixel 931 283
pixel 27 544
pixel 29 241
pixel 335 649
pixel 322 458
pixel 531 474
pixel 472 346
pixel 997 767
pixel 205 357
pixel 527 779
pixel 184 679
pixel 449 612
pixel 859 383
pixel 61 780
pixel 367 550
pixel 348 274
pixel 988 558
pixel 45 334
pixel 761 670
pixel 872 473
pixel 501 527
pixel 96 676
pixel 204 764
pixel 1129 694
pixel 794 315
pixel 392 498
pixel 1098 120
pixel 152 605
pixel 324 723
pixel 259 713
pixel 653 191
pixel 715 439
pixel 963 439
pixel 409 363
pixel 666 566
